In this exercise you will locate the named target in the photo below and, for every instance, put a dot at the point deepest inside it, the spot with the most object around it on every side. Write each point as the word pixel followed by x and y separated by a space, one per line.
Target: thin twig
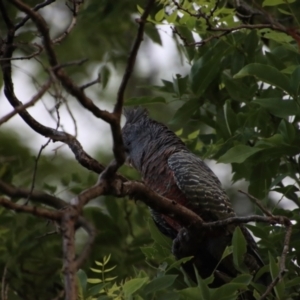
pixel 75 10
pixel 47 234
pixel 269 24
pixel 33 100
pixel 36 8
pixel 34 54
pixel 39 155
pixel 70 63
pixel 95 81
pixel 258 203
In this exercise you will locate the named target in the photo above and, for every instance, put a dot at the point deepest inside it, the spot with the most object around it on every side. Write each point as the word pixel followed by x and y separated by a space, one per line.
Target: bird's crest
pixel 133 115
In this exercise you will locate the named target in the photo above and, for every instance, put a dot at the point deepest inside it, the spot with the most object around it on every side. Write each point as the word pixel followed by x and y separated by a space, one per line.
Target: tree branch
pixel 36 211
pixel 118 147
pixel 22 107
pixel 69 269
pixel 67 83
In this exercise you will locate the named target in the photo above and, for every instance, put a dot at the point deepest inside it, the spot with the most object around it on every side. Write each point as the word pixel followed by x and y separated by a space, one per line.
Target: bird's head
pixel 146 139
pixel 135 134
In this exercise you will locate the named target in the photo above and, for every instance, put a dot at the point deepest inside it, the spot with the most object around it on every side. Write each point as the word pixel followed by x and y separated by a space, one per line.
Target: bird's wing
pixel 201 187
pixel 206 197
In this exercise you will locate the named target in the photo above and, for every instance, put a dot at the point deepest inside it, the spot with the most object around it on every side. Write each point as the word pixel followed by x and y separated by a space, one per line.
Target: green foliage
pixel 238 103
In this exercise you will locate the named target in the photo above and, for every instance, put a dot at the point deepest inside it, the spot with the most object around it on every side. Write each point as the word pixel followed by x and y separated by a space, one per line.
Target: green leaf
pixel 183 114
pixel 293 282
pixel 159 284
pixel 140 9
pixel 238 154
pixel 203 284
pixel 258 231
pixel 244 279
pixel 51 188
pixel 172 17
pixel 235 88
pixel 276 36
pixel 158 237
pixel 295 80
pixel 274 270
pixel 260 179
pixel 76 178
pixel 133 285
pixel 192 293
pixel 153 34
pixel 202 74
pixel 284 11
pixel 206 68
pixel 275 61
pixel 193 135
pixel 104 75
pixel 239 246
pixel 266 74
pixel 228 250
pixel 94 280
pixel 145 100
pixel 149 252
pixel 96 289
pixel 276 2
pixel 278 107
pixel 228 291
pixel 180 84
pixel 287 130
pixel 82 278
pixel 177 263
pixel 159 15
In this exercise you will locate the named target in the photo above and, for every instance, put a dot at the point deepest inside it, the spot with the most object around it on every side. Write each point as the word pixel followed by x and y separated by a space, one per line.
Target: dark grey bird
pixel 171 170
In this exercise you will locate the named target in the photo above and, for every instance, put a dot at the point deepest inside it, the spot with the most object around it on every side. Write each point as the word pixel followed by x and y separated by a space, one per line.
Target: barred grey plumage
pixel 170 169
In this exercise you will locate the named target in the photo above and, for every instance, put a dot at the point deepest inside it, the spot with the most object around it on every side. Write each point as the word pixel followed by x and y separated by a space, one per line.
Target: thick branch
pixel 69 268
pixel 36 196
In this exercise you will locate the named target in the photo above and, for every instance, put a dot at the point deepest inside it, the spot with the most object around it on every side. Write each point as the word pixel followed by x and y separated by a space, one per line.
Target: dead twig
pixel 31 102
pixel 34 54
pixel 97 80
pixel 74 9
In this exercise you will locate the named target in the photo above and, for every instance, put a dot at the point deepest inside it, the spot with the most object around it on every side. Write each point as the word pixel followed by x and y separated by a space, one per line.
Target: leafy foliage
pixel 238 104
